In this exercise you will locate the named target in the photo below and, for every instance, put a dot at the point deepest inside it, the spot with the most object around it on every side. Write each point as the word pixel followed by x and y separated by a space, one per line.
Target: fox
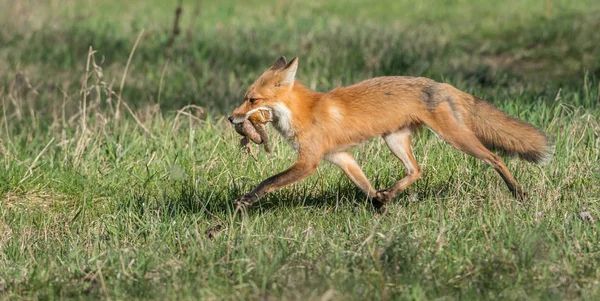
pixel 325 125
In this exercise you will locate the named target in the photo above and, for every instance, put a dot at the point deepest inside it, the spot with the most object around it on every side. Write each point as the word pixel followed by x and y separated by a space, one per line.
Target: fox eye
pixel 253 100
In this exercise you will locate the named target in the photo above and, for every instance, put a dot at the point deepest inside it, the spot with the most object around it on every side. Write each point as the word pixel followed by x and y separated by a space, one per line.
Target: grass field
pixel 116 162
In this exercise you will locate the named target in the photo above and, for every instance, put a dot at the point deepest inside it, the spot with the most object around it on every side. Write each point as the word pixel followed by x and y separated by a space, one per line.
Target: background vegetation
pixel 118 171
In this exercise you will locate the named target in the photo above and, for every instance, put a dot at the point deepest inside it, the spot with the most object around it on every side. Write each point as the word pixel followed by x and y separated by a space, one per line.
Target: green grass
pixel 95 206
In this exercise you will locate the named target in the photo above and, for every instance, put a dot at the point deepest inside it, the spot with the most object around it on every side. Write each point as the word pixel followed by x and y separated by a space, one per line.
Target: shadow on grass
pixel 185 199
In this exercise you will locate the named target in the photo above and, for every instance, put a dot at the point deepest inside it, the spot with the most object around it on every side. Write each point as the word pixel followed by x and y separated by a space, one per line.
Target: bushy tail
pixel 499 131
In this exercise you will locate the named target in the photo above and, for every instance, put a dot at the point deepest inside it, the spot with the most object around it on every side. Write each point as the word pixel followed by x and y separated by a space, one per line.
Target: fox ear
pixel 280 63
pixel 288 73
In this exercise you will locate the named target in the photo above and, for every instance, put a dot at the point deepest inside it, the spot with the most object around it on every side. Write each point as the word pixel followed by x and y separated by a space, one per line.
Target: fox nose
pixel 230 119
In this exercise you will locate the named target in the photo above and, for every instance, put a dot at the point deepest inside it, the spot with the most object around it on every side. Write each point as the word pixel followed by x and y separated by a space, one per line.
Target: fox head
pixel 268 92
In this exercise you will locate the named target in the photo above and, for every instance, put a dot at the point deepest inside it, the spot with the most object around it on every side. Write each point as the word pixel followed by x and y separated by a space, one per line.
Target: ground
pixel 118 169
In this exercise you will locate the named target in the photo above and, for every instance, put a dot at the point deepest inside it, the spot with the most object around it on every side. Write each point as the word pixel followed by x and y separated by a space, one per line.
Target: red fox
pixel 325 125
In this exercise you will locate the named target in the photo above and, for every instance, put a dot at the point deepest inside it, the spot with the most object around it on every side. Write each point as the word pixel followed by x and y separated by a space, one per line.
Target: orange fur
pixel 325 125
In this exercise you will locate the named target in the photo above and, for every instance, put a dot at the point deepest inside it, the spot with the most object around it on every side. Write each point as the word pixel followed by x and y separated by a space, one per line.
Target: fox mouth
pixel 237 119
pixel 240 119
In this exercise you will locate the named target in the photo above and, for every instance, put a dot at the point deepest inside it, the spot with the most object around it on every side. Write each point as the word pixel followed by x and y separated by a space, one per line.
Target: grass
pixel 95 205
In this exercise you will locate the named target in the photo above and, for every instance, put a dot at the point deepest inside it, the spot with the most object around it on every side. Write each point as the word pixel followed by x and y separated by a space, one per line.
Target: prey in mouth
pixel 252 128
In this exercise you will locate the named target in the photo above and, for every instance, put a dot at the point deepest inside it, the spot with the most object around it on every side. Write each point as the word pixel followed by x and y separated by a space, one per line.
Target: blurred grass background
pixel 99 205
pixel 223 45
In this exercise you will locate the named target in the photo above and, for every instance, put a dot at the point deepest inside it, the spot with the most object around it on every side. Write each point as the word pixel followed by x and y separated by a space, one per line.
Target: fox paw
pixel 379 201
pixel 521 195
pixel 384 195
pixel 246 200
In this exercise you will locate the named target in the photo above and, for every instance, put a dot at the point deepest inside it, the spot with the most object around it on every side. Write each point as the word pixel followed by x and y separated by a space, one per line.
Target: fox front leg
pixel 300 170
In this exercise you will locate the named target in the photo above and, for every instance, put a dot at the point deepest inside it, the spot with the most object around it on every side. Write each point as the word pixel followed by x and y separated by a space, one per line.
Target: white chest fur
pixel 282 120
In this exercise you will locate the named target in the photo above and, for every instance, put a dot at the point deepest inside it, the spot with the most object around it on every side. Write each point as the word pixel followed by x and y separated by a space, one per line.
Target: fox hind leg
pixel 400 144
pixel 465 140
